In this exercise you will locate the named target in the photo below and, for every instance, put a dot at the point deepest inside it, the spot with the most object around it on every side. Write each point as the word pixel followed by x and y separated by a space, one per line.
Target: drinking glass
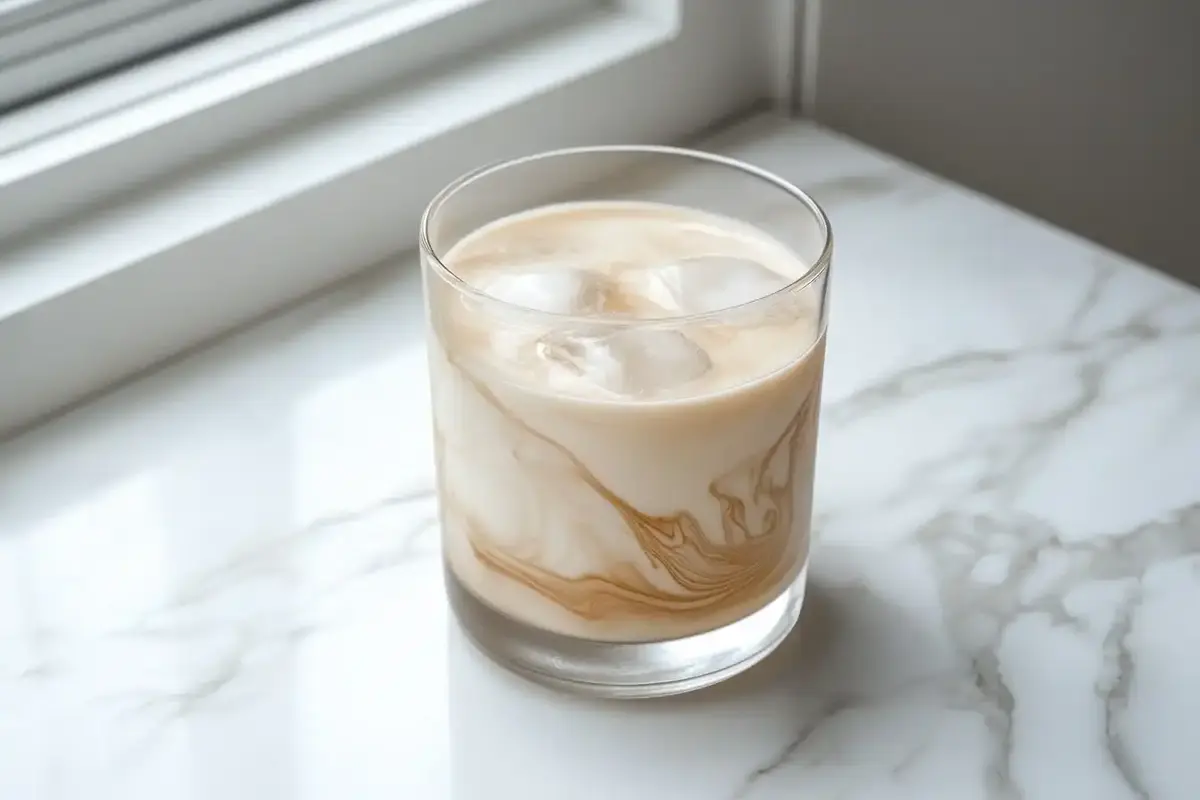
pixel 626 546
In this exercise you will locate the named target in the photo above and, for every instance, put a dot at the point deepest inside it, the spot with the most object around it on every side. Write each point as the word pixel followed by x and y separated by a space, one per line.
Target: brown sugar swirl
pixel 709 572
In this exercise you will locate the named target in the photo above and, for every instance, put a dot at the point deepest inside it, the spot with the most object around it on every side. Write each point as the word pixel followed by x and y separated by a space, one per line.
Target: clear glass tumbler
pixel 626 347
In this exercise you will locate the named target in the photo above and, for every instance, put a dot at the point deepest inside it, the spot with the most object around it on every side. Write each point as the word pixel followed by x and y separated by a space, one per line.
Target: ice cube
pixel 626 361
pixel 551 288
pixel 706 283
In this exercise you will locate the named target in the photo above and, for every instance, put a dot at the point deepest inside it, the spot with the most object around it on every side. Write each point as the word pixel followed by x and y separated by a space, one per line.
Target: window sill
pixel 94 301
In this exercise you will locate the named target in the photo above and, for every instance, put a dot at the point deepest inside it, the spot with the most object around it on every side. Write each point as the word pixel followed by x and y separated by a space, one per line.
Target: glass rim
pixel 818 267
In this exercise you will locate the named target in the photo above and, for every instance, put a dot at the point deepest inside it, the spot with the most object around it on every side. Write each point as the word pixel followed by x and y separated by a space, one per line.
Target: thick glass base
pixel 627 670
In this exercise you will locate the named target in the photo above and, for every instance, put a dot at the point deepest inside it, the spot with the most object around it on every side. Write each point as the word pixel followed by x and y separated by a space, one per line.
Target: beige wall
pixel 1085 112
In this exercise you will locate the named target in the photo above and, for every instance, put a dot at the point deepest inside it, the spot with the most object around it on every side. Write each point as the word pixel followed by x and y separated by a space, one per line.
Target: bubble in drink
pixel 627 362
pixel 706 283
pixel 551 288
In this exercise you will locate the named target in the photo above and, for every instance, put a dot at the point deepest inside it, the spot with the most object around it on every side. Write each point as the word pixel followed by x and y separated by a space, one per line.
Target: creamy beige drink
pixel 625 466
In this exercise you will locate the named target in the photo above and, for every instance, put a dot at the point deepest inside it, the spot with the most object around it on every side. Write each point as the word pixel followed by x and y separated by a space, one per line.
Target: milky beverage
pixel 637 470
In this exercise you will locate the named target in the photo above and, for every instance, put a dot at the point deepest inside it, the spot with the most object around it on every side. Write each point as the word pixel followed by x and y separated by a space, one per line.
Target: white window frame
pixel 131 235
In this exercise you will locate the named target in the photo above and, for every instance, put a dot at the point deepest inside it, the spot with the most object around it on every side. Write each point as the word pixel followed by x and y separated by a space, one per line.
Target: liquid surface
pixel 649 265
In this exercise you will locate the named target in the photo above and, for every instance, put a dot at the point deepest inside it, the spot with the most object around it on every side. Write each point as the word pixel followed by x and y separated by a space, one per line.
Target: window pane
pixel 47 46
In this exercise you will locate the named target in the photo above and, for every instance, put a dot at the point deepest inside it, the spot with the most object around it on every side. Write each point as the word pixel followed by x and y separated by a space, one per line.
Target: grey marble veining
pixel 222 581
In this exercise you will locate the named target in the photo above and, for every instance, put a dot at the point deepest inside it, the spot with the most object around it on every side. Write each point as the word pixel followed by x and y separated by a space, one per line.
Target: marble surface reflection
pixel 222 580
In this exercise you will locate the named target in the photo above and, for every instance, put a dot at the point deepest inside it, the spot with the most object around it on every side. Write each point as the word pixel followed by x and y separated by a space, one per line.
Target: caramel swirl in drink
pixel 626 465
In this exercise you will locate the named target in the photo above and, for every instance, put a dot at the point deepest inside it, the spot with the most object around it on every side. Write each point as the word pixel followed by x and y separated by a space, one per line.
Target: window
pixel 288 146
pixel 47 46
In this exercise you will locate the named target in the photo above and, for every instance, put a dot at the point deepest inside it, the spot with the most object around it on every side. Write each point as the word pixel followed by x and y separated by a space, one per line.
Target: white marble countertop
pixel 222 581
